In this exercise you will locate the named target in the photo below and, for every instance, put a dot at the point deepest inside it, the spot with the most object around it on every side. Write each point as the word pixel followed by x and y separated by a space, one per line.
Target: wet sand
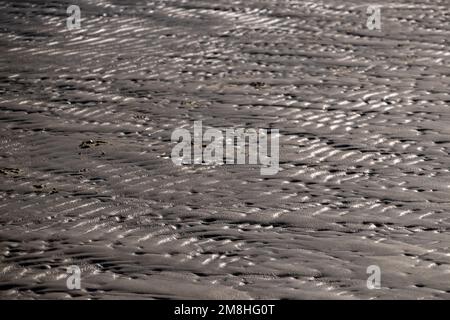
pixel 364 120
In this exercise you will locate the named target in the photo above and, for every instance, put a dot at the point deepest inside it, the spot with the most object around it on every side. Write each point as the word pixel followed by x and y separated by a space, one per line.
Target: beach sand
pixel 86 118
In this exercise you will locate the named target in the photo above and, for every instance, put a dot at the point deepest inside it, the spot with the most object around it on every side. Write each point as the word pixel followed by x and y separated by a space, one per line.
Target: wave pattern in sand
pixel 364 149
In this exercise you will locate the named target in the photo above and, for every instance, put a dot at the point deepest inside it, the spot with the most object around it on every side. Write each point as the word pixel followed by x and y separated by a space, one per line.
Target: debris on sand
pixel 189 103
pixel 43 188
pixel 9 171
pixel 258 84
pixel 91 143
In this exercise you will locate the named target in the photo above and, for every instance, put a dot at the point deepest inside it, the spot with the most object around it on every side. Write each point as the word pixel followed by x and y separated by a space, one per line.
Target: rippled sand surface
pixel 364 118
